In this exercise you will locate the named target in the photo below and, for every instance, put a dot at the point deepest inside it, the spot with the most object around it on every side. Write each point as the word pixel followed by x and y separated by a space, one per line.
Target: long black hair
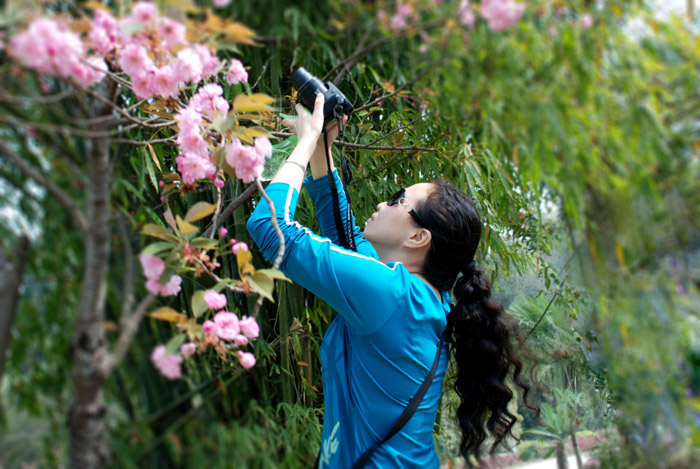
pixel 483 337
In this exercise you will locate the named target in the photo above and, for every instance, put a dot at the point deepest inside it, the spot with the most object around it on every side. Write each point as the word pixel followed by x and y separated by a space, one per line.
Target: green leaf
pixel 160 246
pixel 204 243
pixel 224 124
pixel 198 304
pixel 151 171
pixel 150 229
pixel 262 284
pixel 173 345
pixel 274 273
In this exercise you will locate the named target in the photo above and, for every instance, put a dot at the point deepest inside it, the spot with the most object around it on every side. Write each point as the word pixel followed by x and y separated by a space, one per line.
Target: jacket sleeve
pixel 320 194
pixel 365 291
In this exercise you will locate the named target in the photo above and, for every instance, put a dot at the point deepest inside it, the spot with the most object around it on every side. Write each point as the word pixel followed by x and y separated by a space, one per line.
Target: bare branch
pixel 128 326
pixel 233 205
pixel 126 115
pixel 57 192
pixel 7 98
pixel 216 211
pixel 276 226
pixel 394 131
pixel 143 143
pixel 80 132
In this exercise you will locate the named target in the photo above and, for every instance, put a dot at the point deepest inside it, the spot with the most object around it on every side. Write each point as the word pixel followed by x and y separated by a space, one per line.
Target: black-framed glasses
pixel 400 198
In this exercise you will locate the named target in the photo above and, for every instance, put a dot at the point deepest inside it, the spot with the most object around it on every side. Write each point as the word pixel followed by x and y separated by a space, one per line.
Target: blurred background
pixel 574 125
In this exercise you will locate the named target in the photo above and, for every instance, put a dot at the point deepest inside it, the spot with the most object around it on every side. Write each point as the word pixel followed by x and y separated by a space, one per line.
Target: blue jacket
pixel 380 347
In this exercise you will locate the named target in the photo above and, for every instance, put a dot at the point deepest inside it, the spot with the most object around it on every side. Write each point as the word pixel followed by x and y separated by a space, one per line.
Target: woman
pixel 393 304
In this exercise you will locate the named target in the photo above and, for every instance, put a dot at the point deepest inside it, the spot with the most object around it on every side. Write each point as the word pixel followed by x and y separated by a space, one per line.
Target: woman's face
pixel 391 225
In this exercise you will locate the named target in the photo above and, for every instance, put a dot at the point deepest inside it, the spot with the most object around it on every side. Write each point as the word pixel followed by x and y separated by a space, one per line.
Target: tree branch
pixel 128 326
pixel 57 192
pixel 7 98
pixel 233 205
pixel 143 143
pixel 362 146
pixel 128 292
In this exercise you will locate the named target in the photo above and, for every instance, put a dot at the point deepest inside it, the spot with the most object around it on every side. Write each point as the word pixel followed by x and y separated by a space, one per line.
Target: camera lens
pixel 306 85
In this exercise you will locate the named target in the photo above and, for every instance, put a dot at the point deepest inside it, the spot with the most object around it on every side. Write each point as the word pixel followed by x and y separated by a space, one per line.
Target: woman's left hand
pixel 308 126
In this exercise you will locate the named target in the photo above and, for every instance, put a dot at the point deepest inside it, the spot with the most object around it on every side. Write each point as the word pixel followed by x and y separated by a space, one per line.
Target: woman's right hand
pixel 308 126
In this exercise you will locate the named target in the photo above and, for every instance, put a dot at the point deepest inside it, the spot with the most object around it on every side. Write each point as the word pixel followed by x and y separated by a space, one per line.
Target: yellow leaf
pixel 199 211
pixel 184 227
pixel 95 5
pixel 182 5
pixel 243 259
pixel 166 313
pixel 238 32
pixel 81 25
pixel 254 103
pixel 257 131
pixel 620 253
pixel 154 157
pixel 157 231
pixel 242 135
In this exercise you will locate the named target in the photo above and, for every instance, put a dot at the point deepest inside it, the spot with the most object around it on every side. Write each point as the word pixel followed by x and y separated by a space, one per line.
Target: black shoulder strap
pixel 408 411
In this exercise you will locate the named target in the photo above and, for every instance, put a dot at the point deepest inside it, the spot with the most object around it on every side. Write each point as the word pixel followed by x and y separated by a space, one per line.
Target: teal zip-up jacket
pixel 380 347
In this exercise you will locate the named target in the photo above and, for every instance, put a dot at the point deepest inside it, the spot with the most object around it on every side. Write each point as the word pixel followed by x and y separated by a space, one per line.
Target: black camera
pixel 308 86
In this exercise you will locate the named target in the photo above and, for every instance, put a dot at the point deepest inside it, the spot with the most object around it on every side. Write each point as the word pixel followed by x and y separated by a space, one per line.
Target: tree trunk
pixel 577 452
pixel 562 462
pixel 86 418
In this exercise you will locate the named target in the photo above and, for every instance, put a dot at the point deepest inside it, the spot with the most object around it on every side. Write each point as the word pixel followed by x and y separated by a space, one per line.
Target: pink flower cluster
pixel 48 46
pixel 501 14
pixel 194 161
pixel 236 73
pixel 166 72
pixel 227 326
pixel 167 364
pixel 248 161
pixel 153 268
pixel 398 20
pixel 465 14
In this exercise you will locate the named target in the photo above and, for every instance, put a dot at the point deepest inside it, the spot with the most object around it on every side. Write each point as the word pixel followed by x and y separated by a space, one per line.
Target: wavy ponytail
pixel 482 334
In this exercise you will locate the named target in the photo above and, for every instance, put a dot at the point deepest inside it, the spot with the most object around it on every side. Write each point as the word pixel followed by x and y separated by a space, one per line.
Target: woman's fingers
pixel 318 107
pixel 291 123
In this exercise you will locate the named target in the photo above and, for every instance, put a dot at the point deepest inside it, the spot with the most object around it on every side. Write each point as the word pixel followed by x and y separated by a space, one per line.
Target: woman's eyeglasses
pixel 400 198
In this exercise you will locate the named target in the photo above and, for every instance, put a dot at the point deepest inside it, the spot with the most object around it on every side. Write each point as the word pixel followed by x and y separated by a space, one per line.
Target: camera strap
pixel 345 230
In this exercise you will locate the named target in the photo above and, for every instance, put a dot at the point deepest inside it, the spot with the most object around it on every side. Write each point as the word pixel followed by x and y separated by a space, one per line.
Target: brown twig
pixel 394 131
pixel 233 205
pixel 276 226
pixel 128 292
pixel 143 143
pixel 74 131
pixel 128 326
pixel 7 98
pixel 62 197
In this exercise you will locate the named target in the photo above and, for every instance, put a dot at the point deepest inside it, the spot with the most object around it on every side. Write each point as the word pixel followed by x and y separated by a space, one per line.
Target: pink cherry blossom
pixel 236 73
pixel 404 10
pixel 219 183
pixel 263 146
pixel 501 14
pixel 223 232
pixel 210 327
pixel 238 247
pixel 210 63
pixel 103 32
pixel 227 324
pixel 171 288
pixel 249 327
pixel 215 300
pixel 166 81
pixel 168 365
pixel 192 167
pixel 144 12
pixel 189 64
pixel 245 160
pixel 90 72
pixel 466 15
pixel 172 32
pixel 49 47
pixel 190 141
pixel 134 60
pixel 221 3
pixel 397 22
pixel 247 359
pixel 153 266
pixel 188 349
pixel 188 118
pixel 241 340
pixel 586 20
pixel 142 83
pixel 208 100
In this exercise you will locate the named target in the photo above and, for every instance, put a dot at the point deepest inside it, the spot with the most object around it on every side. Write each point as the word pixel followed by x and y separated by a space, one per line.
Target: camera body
pixel 308 86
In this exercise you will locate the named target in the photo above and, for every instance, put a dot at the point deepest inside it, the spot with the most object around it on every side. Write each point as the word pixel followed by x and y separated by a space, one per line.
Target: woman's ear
pixel 421 238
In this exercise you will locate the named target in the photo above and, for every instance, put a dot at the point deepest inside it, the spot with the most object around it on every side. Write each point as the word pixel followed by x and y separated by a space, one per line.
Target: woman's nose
pixel 379 205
